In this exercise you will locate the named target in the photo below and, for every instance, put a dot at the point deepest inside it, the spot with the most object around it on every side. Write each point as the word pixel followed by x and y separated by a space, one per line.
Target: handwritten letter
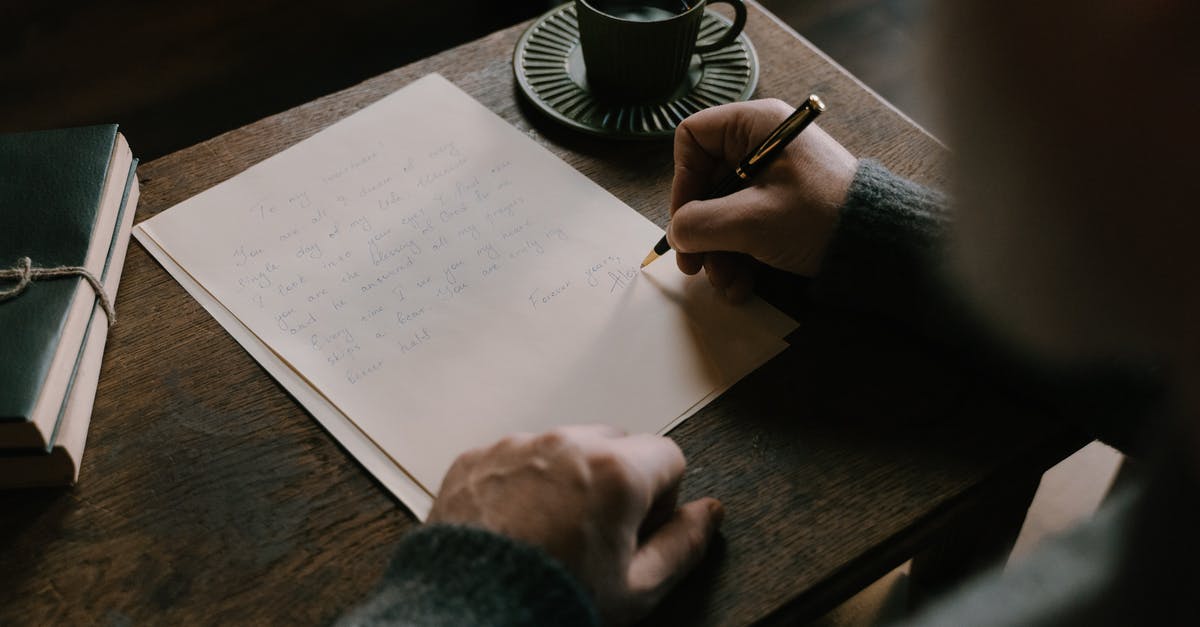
pixel 442 280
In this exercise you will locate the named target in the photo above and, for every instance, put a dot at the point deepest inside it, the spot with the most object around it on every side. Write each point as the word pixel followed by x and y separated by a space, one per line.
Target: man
pixel 1074 237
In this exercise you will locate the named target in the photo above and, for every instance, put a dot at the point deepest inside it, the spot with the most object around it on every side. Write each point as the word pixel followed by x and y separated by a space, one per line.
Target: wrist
pixel 453 574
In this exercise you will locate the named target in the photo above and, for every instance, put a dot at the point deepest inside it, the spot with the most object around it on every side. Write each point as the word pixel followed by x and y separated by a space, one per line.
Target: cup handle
pixel 731 33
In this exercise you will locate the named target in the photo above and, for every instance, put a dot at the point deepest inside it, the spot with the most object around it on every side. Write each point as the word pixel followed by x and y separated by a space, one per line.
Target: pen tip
pixel 651 257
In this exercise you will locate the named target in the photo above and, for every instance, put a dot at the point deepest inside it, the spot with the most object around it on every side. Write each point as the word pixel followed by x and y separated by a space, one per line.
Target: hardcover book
pixel 66 197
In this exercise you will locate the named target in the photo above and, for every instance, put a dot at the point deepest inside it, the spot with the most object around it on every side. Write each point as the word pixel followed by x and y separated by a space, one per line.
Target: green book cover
pixel 51 184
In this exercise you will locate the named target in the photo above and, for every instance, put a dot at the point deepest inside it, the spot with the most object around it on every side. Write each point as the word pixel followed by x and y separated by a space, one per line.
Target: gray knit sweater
pixel 1132 564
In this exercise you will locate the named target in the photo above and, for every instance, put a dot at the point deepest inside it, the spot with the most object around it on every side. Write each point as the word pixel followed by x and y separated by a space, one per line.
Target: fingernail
pixel 717 510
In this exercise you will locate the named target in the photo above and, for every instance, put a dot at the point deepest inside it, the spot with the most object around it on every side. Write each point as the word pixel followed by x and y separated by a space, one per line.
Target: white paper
pixel 374 459
pixel 425 279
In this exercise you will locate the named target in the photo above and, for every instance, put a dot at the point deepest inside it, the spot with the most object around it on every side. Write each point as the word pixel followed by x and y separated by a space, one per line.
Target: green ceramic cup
pixel 639 51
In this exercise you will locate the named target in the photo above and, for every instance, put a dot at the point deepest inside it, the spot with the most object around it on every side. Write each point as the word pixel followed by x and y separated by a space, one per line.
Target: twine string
pixel 24 273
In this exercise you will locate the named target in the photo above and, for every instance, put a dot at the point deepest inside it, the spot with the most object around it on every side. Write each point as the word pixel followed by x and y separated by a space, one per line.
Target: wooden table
pixel 208 495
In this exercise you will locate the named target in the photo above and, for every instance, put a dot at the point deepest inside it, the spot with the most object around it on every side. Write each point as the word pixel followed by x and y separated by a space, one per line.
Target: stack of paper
pixel 425 279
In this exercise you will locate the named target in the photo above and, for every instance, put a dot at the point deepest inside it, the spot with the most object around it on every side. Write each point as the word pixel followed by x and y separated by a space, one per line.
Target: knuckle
pixel 553 439
pixel 672 446
pixel 462 465
pixel 508 443
pixel 683 131
pixel 458 467
pixel 683 230
pixel 777 105
pixel 608 468
pixel 665 447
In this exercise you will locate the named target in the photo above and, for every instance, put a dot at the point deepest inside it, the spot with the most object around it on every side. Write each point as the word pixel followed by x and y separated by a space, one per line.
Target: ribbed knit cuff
pixel 886 246
pixel 454 575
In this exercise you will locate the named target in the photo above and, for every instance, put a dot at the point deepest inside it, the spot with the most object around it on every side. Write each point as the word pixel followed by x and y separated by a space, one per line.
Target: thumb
pixel 674 549
pixel 728 224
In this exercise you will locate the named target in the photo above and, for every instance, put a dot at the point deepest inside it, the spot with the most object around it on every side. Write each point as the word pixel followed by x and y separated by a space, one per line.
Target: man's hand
pixel 600 501
pixel 784 219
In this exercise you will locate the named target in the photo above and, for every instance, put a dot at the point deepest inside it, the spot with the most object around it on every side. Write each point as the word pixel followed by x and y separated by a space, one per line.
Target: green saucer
pixel 548 63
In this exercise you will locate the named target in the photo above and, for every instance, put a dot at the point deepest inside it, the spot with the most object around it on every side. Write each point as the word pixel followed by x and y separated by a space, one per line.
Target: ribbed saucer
pixel 548 63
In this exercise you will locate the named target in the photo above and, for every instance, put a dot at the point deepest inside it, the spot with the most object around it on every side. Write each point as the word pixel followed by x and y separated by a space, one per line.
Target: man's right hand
pixel 784 219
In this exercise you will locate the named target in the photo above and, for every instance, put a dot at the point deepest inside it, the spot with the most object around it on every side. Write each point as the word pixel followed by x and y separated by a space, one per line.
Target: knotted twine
pixel 24 273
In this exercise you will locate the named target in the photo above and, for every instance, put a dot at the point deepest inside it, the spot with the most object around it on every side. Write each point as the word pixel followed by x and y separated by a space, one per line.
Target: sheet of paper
pixel 435 279
pixel 373 458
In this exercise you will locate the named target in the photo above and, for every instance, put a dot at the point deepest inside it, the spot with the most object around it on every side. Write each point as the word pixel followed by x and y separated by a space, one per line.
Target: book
pixel 424 278
pixel 67 198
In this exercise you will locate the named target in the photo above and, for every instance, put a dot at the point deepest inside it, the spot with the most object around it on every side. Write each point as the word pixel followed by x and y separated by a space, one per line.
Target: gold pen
pixel 758 159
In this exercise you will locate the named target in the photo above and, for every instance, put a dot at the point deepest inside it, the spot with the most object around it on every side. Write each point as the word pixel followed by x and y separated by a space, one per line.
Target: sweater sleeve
pixel 886 255
pixel 443 575
pixel 887 259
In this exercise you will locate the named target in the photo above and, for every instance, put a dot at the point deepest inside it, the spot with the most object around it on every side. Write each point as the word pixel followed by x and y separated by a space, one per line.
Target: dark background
pixel 173 73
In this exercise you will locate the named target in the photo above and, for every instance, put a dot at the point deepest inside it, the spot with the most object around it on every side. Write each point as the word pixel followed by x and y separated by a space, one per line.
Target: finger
pixel 722 269
pixel 695 173
pixel 730 223
pixel 726 133
pixel 674 550
pixel 656 460
pixel 689 263
pixel 710 142
pixel 660 512
pixel 742 286
pixel 695 168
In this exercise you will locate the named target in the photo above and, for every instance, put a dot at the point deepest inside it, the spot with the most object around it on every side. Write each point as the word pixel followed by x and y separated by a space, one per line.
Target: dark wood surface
pixel 208 495
pixel 175 73
pixel 882 42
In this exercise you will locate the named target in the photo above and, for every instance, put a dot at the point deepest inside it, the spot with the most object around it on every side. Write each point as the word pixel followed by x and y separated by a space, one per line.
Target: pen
pixel 758 160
